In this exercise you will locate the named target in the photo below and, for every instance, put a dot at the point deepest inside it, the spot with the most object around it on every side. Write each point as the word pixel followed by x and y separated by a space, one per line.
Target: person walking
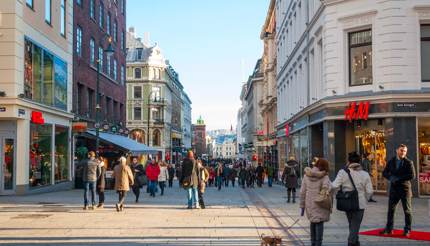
pixel 152 172
pixel 163 177
pixel 203 175
pixel 123 180
pixel 233 175
pixel 189 180
pixel 252 176
pixel 399 172
pixel 101 182
pixel 91 172
pixel 351 178
pixel 270 173
pixel 138 172
pixel 179 174
pixel 259 172
pixel 219 174
pixel 212 176
pixel 242 176
pixel 226 175
pixel 290 178
pixel 171 172
pixel 314 183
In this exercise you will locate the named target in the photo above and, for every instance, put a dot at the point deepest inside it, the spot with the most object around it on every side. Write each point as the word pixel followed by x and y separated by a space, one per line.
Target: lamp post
pixel 149 115
pixel 109 52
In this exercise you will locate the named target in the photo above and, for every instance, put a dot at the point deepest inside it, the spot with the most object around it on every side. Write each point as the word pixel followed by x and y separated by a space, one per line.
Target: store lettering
pixel 356 112
pixel 425 178
pixel 37 118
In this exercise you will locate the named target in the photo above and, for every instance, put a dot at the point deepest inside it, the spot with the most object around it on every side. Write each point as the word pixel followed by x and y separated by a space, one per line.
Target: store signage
pixel 21 112
pixel 80 126
pixel 2 109
pixel 37 118
pixel 287 130
pixel 425 178
pixel 260 132
pixel 357 112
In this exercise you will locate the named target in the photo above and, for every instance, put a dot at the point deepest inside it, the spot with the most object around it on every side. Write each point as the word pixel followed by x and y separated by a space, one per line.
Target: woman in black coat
pixel 101 182
pixel 138 171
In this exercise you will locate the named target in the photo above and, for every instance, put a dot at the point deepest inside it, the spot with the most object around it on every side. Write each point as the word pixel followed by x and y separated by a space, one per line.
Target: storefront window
pixel 424 156
pixel 303 150
pixel 8 164
pixel 40 154
pixel 61 153
pixel 360 55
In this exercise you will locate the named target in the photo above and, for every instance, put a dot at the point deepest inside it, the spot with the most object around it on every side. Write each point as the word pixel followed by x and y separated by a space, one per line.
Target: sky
pixel 212 44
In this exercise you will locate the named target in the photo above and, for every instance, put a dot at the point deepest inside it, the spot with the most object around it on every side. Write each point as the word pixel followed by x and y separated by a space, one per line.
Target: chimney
pixel 146 39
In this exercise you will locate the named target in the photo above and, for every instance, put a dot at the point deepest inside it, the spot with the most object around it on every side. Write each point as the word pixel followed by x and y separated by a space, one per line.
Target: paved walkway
pixel 233 217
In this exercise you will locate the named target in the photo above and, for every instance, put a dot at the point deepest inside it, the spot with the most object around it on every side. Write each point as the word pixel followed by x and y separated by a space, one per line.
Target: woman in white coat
pixel 163 177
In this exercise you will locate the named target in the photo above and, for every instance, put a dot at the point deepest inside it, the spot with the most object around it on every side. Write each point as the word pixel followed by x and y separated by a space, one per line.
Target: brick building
pixel 199 138
pixel 95 22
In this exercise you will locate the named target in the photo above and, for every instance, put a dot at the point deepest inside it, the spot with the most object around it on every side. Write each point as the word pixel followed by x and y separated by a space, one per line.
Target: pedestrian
pixel 315 182
pixel 233 175
pixel 242 176
pixel 163 177
pixel 101 182
pixel 259 171
pixel 152 172
pixel 179 174
pixel 212 176
pixel 219 175
pixel 399 172
pixel 171 172
pixel 270 173
pixel 203 175
pixel 367 164
pixel 91 172
pixel 226 175
pixel 123 180
pixel 252 175
pixel 189 180
pixel 290 178
pixel 351 178
pixel 138 173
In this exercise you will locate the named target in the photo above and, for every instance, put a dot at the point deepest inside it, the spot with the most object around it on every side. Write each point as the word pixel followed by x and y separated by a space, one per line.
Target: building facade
pixel 186 121
pixel 351 76
pixel 224 147
pixel 199 138
pixel 96 24
pixel 35 95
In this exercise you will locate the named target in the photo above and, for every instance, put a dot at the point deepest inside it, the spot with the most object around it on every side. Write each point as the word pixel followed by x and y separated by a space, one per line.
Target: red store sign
pixel 357 112
pixel 37 118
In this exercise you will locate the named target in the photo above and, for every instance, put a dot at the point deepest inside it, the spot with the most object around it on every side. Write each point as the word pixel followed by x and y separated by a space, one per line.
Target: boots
pixel 100 206
pixel 294 197
pixel 289 196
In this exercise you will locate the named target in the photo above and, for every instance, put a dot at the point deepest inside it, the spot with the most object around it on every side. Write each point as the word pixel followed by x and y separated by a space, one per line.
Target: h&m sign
pixel 356 111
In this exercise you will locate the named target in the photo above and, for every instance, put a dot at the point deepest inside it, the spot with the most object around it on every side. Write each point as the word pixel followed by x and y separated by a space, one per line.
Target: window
pixel 137 73
pixel 122 40
pixel 115 32
pixel 79 2
pixel 122 74
pixel 101 58
pixel 108 24
pixel 63 18
pixel 45 76
pixel 61 153
pixel 90 103
pixel 92 51
pixel 156 93
pixel 30 3
pixel 138 135
pixel 137 113
pixel 79 41
pixel 156 138
pixel 92 9
pixel 115 69
pixel 137 92
pixel 48 9
pixel 123 6
pixel 425 53
pixel 139 53
pixel 101 15
pixel 108 65
pixel 40 155
pixel 360 58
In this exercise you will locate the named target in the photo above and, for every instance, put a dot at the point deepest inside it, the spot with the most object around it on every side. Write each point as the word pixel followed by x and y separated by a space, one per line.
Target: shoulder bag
pixel 347 201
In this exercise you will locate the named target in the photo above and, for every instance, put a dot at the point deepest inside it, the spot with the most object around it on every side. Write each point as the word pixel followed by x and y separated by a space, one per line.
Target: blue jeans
pixel 87 186
pixel 152 187
pixel 270 181
pixel 192 196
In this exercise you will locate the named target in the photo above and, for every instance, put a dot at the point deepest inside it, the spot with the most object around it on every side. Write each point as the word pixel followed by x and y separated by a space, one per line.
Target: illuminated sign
pixel 357 112
pixel 79 126
pixel 287 130
pixel 37 118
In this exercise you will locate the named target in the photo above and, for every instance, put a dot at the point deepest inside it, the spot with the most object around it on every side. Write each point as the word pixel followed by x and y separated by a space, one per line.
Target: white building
pixel 224 147
pixel 186 121
pixel 353 76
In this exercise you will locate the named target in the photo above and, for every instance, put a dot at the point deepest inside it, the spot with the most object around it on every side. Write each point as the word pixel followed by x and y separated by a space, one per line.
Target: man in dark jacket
pixel 189 179
pixel 259 171
pixel 399 172
pixel 171 171
pixel 91 172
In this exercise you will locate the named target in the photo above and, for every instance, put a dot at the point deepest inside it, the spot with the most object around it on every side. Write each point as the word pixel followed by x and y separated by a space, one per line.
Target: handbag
pixel 324 199
pixel 186 181
pixel 347 201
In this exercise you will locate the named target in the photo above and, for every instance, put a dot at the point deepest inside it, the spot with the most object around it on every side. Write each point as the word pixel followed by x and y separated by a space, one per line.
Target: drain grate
pixel 32 216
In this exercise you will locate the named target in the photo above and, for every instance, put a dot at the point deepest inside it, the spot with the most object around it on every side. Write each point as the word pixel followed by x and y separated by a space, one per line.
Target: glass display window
pixel 61 153
pixel 40 155
pixel 424 156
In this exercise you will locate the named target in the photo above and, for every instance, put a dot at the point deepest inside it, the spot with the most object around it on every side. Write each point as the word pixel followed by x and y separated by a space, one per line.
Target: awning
pixel 126 143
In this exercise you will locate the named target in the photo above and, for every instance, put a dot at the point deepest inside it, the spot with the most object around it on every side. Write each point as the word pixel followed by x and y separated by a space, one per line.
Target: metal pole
pixel 97 125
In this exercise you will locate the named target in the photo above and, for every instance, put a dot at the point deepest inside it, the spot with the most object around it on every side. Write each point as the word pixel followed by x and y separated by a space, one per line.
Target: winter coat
pixel 270 171
pixel 212 174
pixel 219 171
pixel 164 174
pixel 259 171
pixel 179 173
pixel 152 172
pixel 171 172
pixel 242 173
pixel 91 171
pixel 313 181
pixel 123 177
pixel 361 180
pixel 233 174
pixel 137 170
pixel 226 172
pixel 101 181
pixel 189 171
pixel 400 178
pixel 290 174
pixel 203 178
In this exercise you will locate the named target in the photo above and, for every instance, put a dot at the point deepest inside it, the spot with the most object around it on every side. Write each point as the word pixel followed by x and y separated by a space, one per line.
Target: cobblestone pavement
pixel 233 217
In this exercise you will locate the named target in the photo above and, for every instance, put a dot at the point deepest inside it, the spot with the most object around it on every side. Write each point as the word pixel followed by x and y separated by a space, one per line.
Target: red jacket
pixel 152 172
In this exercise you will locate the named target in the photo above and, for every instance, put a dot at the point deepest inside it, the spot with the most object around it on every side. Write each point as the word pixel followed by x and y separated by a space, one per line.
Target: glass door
pixel 7 168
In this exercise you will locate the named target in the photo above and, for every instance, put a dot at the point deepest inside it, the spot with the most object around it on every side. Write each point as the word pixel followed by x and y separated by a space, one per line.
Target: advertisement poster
pixel 60 77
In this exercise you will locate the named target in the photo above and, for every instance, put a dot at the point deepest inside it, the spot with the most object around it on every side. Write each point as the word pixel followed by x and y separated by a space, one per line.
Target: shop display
pixel 424 167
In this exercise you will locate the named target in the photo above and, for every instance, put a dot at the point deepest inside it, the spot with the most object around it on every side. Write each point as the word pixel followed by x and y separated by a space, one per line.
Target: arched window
pixel 138 135
pixel 137 73
pixel 156 138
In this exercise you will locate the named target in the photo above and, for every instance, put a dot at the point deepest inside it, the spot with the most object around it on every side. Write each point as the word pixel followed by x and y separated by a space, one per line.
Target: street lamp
pixel 109 52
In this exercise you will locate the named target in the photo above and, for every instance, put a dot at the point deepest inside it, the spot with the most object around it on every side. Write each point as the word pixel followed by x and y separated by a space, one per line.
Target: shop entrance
pixel 7 164
pixel 424 156
pixel 372 144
